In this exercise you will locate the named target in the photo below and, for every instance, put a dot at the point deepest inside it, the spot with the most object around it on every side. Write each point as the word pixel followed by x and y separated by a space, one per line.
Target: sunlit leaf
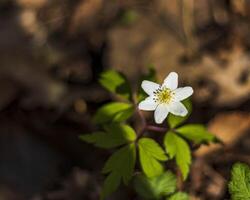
pixel 122 162
pixel 178 148
pixel 116 82
pixel 179 196
pixel 156 187
pixel 196 133
pixel 123 115
pixel 125 131
pixel 120 167
pixel 113 112
pixel 150 154
pixel 115 135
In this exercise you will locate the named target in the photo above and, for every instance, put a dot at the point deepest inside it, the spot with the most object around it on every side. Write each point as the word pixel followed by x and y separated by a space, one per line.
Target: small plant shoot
pixel 140 159
pixel 239 185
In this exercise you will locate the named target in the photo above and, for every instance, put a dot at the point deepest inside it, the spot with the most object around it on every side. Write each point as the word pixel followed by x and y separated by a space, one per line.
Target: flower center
pixel 163 95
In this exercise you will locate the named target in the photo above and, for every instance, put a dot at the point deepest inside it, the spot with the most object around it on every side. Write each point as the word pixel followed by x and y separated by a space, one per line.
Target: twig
pixel 179 180
pixel 142 118
pixel 156 128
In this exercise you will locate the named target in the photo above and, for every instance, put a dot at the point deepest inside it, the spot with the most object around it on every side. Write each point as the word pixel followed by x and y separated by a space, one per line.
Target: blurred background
pixel 51 55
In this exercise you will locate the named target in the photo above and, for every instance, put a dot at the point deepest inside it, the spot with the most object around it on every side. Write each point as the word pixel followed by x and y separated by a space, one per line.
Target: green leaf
pixel 115 135
pixel 123 115
pixel 122 162
pixel 196 133
pixel 150 76
pixel 125 131
pixel 239 185
pixel 179 196
pixel 150 154
pixel 116 82
pixel 174 120
pixel 113 112
pixel 156 187
pixel 120 167
pixel 178 148
pixel 111 184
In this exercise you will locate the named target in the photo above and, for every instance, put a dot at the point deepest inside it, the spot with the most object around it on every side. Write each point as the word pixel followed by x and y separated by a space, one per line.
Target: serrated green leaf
pixel 151 153
pixel 123 115
pixel 179 196
pixel 122 162
pixel 110 185
pixel 115 135
pixel 156 187
pixel 196 133
pixel 150 76
pixel 239 185
pixel 113 112
pixel 178 148
pixel 126 132
pixel 174 120
pixel 116 82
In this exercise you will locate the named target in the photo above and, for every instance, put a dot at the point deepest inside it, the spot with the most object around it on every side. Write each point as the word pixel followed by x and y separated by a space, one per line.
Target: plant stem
pixel 156 128
pixel 142 118
pixel 179 180
pixel 143 124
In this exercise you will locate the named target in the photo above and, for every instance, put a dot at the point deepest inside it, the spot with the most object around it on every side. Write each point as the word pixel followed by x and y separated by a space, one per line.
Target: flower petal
pixel 149 87
pixel 183 93
pixel 147 104
pixel 161 112
pixel 171 81
pixel 177 108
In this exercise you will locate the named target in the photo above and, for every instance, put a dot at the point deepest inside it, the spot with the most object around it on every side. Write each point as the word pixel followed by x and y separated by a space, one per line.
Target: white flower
pixel 165 98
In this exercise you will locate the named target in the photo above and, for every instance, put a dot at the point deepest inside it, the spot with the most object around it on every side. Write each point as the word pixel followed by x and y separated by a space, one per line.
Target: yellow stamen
pixel 163 95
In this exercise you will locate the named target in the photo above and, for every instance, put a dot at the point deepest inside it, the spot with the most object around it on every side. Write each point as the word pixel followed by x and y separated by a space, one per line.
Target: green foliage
pixel 116 83
pixel 111 184
pixel 120 167
pixel 113 112
pixel 151 76
pixel 150 154
pixel 156 187
pixel 196 133
pixel 153 183
pixel 179 196
pixel 178 148
pixel 239 185
pixel 115 135
pixel 174 120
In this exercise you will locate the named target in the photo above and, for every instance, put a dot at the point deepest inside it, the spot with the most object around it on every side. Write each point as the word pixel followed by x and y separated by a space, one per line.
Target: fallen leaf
pixel 229 127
